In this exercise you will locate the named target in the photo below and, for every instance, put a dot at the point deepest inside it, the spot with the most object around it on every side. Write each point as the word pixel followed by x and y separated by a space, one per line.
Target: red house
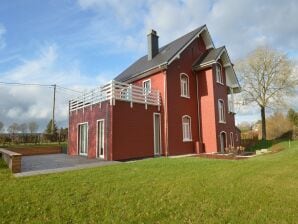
pixel 177 99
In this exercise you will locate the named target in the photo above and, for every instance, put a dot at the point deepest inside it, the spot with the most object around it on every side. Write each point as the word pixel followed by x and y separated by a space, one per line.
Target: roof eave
pixel 177 55
pixel 147 72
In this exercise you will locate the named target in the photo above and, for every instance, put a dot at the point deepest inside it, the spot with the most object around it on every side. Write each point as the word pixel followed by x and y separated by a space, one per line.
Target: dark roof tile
pixel 166 53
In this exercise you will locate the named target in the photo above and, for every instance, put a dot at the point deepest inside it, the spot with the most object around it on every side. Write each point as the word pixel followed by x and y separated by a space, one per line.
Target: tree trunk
pixel 263 117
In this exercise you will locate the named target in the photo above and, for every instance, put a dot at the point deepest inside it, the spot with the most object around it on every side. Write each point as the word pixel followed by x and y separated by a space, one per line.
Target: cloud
pixel 27 103
pixel 2 33
pixel 240 25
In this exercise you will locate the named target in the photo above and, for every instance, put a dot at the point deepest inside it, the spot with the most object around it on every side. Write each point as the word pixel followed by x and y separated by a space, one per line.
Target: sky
pixel 85 43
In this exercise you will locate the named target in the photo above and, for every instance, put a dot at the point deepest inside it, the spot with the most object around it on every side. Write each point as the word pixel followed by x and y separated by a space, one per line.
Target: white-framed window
pixel 221 111
pixel 186 128
pixel 218 72
pixel 232 139
pixel 184 85
pixel 147 86
pixel 83 139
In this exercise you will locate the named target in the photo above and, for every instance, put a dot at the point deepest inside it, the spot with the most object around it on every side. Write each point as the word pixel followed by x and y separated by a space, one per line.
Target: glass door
pixel 83 139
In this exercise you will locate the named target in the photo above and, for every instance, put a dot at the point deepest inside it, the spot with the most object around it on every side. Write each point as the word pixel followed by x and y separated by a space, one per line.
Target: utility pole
pixel 54 102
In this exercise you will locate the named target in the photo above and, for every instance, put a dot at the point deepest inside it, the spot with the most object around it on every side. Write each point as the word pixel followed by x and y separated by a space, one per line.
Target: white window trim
pixel 78 140
pixel 232 139
pixel 147 80
pixel 223 121
pixel 190 131
pixel 97 140
pixel 218 66
pixel 181 92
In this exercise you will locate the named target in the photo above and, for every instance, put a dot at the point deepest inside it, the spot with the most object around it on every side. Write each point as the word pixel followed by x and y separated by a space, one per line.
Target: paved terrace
pixel 54 163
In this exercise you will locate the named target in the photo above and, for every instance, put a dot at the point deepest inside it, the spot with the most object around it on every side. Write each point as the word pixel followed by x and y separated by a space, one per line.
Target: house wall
pixel 221 92
pixel 179 106
pixel 158 83
pixel 207 110
pixel 91 115
pixel 128 131
pixel 133 135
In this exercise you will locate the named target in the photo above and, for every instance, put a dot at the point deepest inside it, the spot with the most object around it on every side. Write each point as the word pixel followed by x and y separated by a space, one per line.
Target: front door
pixel 157 134
pixel 100 139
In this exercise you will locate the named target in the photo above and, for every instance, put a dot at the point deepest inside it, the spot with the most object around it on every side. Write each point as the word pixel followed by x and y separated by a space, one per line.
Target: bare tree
pixel 33 126
pixel 267 77
pixel 23 128
pixel 1 126
pixel 13 128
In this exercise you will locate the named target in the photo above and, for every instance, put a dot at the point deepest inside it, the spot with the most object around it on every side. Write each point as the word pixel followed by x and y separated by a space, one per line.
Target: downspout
pixel 166 114
pixel 198 107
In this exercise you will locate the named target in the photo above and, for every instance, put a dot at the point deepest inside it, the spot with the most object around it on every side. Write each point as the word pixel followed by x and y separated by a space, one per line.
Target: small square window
pixel 147 86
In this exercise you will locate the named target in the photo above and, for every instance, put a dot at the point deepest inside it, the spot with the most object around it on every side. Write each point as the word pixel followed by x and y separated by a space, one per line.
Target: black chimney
pixel 152 44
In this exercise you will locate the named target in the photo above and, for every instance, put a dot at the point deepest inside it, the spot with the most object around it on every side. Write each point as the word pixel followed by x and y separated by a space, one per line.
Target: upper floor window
pixel 184 83
pixel 186 128
pixel 219 76
pixel 147 86
pixel 221 111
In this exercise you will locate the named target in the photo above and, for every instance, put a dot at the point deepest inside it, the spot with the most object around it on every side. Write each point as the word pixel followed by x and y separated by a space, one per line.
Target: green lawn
pixel 263 189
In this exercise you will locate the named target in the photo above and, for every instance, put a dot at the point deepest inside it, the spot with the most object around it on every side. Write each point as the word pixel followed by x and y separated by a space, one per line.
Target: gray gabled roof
pixel 208 57
pixel 166 53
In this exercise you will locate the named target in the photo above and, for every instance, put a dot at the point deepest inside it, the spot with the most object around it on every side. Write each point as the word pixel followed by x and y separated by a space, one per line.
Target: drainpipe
pixel 166 114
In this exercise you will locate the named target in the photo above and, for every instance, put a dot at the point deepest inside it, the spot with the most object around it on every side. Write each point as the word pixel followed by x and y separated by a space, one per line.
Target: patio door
pixel 157 134
pixel 83 139
pixel 100 139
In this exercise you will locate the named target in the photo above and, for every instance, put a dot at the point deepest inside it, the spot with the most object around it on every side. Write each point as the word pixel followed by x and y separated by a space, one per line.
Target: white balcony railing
pixel 116 91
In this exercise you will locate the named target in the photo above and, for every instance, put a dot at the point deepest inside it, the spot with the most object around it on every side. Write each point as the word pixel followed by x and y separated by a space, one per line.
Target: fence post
pixel 130 95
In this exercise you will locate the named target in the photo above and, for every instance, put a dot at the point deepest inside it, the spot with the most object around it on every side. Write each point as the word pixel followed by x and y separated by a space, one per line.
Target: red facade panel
pixel 90 115
pixel 179 106
pixel 207 110
pixel 133 131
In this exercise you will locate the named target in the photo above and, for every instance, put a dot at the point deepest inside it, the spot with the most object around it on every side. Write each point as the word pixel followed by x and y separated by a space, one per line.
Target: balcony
pixel 113 91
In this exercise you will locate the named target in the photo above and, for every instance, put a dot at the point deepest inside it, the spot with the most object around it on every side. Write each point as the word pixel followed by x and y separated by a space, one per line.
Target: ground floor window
pixel 232 139
pixel 83 138
pixel 100 138
pixel 186 128
pixel 223 141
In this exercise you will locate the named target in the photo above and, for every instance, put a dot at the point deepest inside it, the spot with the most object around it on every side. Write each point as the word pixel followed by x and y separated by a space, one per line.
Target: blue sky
pixel 82 44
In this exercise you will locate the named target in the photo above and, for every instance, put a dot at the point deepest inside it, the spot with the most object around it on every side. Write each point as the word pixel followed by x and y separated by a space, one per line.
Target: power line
pixel 25 84
pixel 61 87
pixel 37 84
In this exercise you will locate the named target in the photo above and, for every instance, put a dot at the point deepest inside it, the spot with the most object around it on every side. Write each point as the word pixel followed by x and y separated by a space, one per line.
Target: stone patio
pixel 44 164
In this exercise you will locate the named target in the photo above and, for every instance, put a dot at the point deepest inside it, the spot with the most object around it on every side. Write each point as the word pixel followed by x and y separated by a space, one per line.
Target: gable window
pixel 186 128
pixel 218 71
pixel 184 85
pixel 221 111
pixel 147 86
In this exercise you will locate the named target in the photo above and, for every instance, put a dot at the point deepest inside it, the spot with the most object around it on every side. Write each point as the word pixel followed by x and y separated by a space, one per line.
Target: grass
pixel 262 189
